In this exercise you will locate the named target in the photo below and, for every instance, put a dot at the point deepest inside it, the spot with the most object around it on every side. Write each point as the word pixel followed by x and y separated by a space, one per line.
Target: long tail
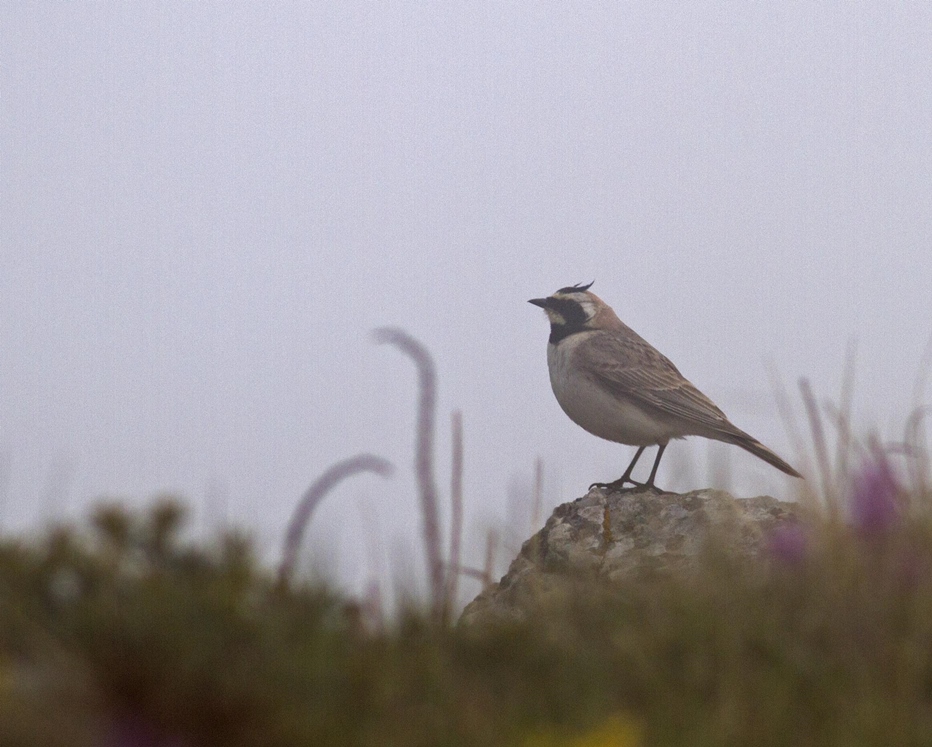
pixel 754 446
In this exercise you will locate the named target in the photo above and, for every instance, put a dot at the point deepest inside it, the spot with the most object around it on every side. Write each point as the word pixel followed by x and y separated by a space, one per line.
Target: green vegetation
pixel 122 634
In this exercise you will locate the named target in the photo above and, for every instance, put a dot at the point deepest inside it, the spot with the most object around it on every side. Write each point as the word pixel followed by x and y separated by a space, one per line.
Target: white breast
pixel 595 409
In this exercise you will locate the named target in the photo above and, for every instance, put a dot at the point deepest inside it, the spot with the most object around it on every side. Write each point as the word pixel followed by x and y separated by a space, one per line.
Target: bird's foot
pixel 618 486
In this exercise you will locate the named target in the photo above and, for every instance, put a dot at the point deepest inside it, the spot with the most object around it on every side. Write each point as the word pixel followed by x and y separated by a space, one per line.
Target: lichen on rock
pixel 610 535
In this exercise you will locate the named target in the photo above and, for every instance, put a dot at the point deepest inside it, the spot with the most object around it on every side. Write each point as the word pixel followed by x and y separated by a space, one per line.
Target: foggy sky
pixel 205 208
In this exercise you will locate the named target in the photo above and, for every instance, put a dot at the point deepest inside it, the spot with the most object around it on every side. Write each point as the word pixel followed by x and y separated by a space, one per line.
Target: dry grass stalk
pixel 491 549
pixel 424 456
pixel 808 496
pixel 820 445
pixel 915 433
pixel 538 499
pixel 5 473
pixel 456 512
pixel 917 453
pixel 843 415
pixel 313 495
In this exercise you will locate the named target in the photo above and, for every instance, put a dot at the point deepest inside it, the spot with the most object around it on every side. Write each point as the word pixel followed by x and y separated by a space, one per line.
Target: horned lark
pixel 617 386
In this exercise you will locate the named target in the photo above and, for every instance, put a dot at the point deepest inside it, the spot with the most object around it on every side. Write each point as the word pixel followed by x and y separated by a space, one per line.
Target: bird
pixel 614 384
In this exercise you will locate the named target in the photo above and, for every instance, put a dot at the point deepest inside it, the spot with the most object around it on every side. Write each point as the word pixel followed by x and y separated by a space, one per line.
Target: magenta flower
pixel 874 498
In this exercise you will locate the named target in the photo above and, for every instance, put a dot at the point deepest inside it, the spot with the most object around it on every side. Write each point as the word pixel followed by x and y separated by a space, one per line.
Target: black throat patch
pixel 574 319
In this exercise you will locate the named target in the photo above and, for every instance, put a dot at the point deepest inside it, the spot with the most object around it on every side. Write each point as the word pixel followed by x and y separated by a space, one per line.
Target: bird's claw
pixel 618 486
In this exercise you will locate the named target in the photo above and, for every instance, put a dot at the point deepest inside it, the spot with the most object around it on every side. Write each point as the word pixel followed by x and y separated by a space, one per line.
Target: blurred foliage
pixel 120 633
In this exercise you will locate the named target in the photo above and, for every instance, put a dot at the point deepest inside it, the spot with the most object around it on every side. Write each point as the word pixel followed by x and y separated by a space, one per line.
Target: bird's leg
pixel 649 485
pixel 618 485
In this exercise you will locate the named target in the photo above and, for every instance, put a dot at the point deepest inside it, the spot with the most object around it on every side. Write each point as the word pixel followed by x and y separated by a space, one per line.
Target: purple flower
pixel 789 544
pixel 874 495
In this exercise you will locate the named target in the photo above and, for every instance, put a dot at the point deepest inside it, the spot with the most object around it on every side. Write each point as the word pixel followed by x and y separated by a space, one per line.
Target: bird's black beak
pixel 542 302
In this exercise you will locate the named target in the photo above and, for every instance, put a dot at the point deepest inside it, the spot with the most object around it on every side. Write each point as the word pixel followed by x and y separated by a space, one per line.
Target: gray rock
pixel 610 535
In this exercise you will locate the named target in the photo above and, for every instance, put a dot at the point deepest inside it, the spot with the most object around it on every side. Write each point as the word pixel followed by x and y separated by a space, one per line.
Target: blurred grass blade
pixel 424 454
pixel 821 448
pixel 313 495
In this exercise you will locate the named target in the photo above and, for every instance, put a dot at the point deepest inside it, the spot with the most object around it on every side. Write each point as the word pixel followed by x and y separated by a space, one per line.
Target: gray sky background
pixel 206 208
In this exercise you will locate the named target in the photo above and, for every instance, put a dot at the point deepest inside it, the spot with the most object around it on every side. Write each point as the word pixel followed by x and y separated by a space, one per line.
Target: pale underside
pixel 620 388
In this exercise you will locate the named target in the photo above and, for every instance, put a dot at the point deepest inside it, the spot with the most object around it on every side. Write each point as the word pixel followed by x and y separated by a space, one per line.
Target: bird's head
pixel 570 310
pixel 574 305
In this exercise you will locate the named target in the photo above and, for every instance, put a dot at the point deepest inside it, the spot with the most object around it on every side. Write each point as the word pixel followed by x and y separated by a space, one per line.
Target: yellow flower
pixel 616 731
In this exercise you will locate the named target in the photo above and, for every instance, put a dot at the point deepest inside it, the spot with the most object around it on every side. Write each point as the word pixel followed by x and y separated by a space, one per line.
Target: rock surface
pixel 610 535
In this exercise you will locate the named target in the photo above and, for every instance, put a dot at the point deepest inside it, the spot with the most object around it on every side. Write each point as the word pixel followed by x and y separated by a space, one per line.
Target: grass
pixel 120 633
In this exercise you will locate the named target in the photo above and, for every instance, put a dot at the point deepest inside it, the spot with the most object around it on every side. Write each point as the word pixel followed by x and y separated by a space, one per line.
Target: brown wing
pixel 629 366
